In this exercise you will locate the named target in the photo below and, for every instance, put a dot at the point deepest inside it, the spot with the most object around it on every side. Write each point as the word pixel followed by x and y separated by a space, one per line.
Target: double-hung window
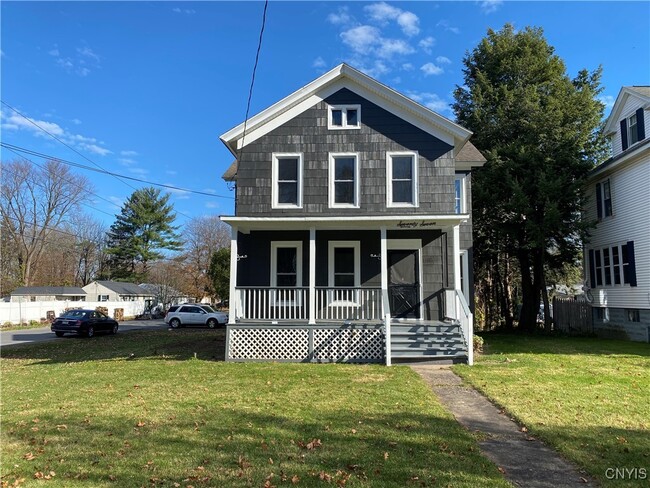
pixel 287 180
pixel 286 272
pixel 604 199
pixel 401 179
pixel 459 194
pixel 344 270
pixel 344 117
pixel 613 265
pixel 344 180
pixel 633 129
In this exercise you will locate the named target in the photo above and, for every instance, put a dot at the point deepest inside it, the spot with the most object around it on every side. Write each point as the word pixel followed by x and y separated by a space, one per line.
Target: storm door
pixel 404 283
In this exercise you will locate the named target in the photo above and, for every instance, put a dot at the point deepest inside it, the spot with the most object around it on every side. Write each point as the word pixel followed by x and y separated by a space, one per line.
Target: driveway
pixel 12 337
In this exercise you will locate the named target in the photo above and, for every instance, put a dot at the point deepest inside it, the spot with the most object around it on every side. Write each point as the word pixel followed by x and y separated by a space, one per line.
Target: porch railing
pixel 272 303
pixel 357 303
pixel 456 307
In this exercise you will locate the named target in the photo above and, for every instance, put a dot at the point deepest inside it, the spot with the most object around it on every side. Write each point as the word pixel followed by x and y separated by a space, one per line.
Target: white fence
pixel 23 312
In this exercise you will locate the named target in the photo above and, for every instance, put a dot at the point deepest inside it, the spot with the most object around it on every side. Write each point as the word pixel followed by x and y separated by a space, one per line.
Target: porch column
pixel 312 275
pixel 384 272
pixel 232 304
pixel 456 244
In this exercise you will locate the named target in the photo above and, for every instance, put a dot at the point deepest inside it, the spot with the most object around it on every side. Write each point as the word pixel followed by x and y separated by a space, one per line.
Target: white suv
pixel 194 314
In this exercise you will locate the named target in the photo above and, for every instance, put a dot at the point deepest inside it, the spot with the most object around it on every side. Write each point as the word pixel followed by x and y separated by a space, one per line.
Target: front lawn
pixel 153 408
pixel 588 398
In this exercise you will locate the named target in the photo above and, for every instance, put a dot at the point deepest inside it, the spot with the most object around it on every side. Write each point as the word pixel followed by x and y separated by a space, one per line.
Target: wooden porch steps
pixel 431 341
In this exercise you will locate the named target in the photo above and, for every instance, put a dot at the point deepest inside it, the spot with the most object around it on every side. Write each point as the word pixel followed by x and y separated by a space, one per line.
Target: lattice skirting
pixel 315 343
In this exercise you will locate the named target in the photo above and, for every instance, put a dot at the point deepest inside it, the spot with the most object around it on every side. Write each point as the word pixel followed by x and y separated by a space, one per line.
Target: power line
pixel 103 171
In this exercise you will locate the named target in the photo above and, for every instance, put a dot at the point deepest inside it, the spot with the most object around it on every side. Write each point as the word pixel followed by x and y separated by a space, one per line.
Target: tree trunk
pixel 547 310
pixel 530 289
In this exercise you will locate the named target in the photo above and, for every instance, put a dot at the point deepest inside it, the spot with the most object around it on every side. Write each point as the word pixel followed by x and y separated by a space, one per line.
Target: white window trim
pixel 602 199
pixel 356 245
pixel 344 118
pixel 389 179
pixel 332 156
pixel 274 187
pixel 275 245
pixel 464 263
pixel 463 201
pixel 632 134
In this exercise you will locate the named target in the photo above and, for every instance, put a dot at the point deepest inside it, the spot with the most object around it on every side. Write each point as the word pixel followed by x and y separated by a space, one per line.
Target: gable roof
pixel 344 76
pixel 48 290
pixel 642 93
pixel 122 288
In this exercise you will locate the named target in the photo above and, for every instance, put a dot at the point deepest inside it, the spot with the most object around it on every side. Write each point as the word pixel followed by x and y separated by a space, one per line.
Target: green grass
pixel 589 398
pixel 25 325
pixel 92 415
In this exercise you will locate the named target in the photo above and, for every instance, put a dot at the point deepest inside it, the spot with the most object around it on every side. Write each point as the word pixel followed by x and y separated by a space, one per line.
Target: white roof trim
pixel 365 86
pixel 611 126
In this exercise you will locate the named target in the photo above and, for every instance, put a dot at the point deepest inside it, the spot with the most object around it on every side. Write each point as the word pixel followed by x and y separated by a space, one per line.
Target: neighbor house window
pixel 613 265
pixel 459 192
pixel 344 180
pixel 401 179
pixel 633 315
pixel 102 298
pixel 287 180
pixel 604 199
pixel 344 117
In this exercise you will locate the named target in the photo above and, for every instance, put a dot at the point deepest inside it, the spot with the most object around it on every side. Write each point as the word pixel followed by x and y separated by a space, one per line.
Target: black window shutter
pixel 592 269
pixel 632 265
pixel 640 124
pixel 624 134
pixel 599 201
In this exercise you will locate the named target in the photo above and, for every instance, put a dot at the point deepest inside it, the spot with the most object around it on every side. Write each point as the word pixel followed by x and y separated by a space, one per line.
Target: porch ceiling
pixel 391 222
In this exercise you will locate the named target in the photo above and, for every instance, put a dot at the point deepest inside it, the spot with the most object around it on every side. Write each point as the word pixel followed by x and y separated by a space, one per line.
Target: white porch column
pixel 384 272
pixel 232 305
pixel 456 238
pixel 312 275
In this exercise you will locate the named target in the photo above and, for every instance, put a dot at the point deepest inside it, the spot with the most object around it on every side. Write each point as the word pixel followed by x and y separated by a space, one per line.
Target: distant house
pixel 115 291
pixel 48 293
pixel 617 256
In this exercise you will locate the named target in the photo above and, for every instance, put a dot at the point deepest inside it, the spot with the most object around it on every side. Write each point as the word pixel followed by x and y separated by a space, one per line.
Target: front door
pixel 404 283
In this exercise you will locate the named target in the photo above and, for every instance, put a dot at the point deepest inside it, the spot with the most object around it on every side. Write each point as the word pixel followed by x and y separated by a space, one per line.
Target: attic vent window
pixel 344 117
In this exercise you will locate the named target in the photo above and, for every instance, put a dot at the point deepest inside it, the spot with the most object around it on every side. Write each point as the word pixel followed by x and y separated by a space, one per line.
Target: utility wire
pixel 103 171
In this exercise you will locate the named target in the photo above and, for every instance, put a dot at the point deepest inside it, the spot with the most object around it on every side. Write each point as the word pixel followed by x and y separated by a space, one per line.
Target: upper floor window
pixel 401 179
pixel 102 298
pixel 459 190
pixel 604 199
pixel 344 180
pixel 287 180
pixel 344 117
pixel 632 129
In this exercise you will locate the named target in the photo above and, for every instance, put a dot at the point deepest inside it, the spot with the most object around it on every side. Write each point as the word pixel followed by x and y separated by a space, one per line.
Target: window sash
pixel 632 131
pixel 344 180
pixel 402 185
pixel 344 117
pixel 287 180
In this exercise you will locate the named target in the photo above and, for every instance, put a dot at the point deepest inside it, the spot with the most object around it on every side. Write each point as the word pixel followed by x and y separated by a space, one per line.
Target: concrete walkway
pixel 525 461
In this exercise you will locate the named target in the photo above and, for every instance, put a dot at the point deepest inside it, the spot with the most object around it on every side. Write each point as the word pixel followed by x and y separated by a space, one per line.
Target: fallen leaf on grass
pixel 385 456
pixel 295 479
pixel 501 470
pixel 29 456
pixel 243 463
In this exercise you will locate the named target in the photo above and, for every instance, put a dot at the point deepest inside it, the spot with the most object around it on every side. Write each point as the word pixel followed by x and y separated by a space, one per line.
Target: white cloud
pixel 426 44
pixel 188 11
pixel 607 100
pixel 211 205
pixel 87 53
pixel 430 69
pixel 490 6
pixel 443 60
pixel 362 38
pixel 76 121
pixel 390 47
pixel 95 149
pixel 126 161
pixel 139 171
pixel 319 62
pixel 447 27
pixel 409 22
pixel 171 172
pixel 408 67
pixel 429 100
pixel 54 52
pixel 82 63
pixel 341 17
pixel 382 13
pixel 209 190
pixel 375 70
pixel 128 153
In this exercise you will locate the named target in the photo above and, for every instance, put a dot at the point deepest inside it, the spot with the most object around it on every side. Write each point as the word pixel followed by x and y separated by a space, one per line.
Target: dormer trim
pixel 612 125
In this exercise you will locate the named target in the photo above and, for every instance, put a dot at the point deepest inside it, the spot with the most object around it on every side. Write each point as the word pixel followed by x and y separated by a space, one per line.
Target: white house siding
pixel 95 289
pixel 21 312
pixel 630 108
pixel 630 190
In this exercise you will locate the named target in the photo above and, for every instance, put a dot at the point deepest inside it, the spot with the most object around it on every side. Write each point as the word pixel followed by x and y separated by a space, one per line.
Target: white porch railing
pixel 456 307
pixel 272 303
pixel 360 303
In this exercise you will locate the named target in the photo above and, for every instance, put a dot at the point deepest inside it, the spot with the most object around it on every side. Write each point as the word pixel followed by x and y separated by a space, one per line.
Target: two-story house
pixel 352 216
pixel 617 256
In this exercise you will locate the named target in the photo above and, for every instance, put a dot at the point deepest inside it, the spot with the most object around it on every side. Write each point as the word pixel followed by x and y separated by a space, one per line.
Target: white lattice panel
pixel 278 344
pixel 348 344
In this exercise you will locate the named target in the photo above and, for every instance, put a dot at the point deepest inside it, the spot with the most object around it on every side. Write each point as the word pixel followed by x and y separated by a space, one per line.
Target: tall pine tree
pixel 540 131
pixel 140 232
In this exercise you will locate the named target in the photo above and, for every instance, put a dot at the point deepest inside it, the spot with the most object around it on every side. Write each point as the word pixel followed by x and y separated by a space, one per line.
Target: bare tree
pixel 203 236
pixel 90 248
pixel 34 202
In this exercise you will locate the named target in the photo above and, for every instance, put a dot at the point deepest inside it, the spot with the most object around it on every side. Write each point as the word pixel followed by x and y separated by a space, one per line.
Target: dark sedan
pixel 84 322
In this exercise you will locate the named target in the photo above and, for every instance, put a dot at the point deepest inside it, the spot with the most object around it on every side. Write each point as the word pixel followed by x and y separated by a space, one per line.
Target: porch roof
pixel 400 222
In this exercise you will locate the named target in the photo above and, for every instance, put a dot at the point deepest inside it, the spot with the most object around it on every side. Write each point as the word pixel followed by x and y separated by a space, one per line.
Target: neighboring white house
pixel 115 291
pixel 47 293
pixel 617 256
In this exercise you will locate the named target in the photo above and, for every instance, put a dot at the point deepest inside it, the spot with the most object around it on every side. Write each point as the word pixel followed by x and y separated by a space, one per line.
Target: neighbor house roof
pixel 48 290
pixel 122 288
pixel 344 76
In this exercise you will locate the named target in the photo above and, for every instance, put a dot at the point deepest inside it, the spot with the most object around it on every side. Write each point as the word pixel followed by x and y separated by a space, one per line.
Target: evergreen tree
pixel 540 131
pixel 141 230
pixel 219 272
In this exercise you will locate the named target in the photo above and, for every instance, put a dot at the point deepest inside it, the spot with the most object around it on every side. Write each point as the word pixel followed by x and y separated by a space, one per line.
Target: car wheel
pixel 59 334
pixel 114 329
pixel 90 332
pixel 174 323
pixel 212 323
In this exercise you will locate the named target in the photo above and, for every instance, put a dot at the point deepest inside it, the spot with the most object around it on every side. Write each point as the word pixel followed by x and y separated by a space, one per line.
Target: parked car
pixel 194 314
pixel 83 322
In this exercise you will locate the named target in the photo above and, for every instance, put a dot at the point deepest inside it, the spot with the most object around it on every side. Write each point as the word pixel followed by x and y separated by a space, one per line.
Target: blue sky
pixel 145 88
